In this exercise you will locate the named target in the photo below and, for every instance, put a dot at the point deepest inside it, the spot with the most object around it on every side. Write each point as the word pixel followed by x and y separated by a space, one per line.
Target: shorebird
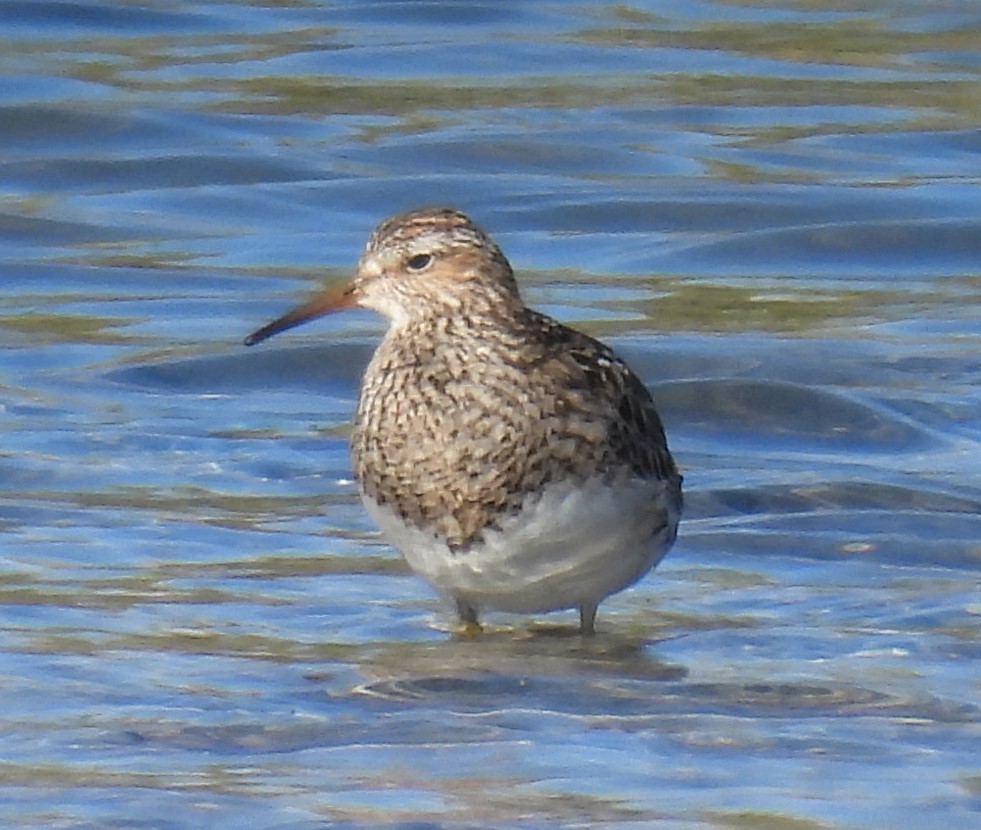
pixel 515 463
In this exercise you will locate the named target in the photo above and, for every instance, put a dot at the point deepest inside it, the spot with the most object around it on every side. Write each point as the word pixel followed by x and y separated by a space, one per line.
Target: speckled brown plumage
pixel 457 423
pixel 473 404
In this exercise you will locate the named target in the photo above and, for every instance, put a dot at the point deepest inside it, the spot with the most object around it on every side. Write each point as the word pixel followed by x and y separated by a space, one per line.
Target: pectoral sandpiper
pixel 516 464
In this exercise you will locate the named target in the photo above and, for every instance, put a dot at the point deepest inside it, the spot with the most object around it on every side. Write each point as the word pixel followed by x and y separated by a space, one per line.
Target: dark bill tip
pixel 260 334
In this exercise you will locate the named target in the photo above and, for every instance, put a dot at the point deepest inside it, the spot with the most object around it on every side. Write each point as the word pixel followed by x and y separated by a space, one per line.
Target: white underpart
pixel 569 547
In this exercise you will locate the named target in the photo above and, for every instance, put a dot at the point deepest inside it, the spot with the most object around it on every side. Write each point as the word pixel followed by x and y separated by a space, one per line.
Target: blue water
pixel 770 209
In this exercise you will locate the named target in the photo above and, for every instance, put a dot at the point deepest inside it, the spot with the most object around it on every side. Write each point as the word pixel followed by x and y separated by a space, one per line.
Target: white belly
pixel 569 546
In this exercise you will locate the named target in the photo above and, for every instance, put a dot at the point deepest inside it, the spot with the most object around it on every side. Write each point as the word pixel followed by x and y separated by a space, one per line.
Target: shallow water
pixel 770 208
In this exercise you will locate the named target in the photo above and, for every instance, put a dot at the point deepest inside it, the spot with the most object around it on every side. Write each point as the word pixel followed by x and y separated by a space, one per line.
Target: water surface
pixel 769 208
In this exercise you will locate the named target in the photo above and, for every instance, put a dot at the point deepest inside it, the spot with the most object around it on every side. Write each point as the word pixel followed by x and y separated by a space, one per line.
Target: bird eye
pixel 419 262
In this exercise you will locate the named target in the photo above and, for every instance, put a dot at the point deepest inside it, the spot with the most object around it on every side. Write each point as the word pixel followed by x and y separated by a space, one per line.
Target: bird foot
pixel 471 630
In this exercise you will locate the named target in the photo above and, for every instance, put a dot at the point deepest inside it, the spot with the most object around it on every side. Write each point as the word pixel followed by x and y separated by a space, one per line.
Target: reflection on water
pixel 770 209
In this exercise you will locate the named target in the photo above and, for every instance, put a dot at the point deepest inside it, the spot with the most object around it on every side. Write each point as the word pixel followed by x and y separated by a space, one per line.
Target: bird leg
pixel 468 616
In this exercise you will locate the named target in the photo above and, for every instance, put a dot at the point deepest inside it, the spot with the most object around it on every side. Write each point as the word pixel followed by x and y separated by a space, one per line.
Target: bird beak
pixel 335 298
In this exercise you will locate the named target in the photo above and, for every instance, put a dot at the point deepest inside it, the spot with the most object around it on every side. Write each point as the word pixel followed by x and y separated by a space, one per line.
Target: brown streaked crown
pixel 439 229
